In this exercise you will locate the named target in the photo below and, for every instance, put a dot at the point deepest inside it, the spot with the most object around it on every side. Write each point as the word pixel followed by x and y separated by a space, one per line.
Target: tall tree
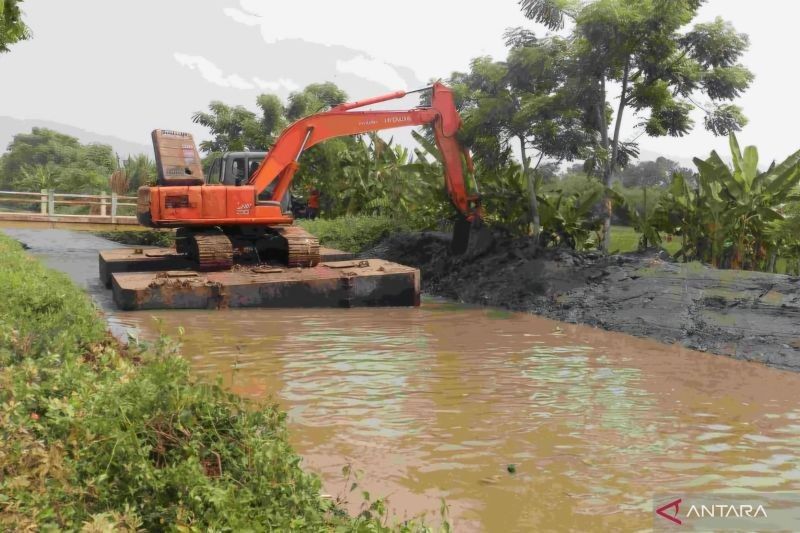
pixel 321 165
pixel 233 129
pixel 314 98
pixel 238 128
pixel 12 28
pixel 519 102
pixel 661 70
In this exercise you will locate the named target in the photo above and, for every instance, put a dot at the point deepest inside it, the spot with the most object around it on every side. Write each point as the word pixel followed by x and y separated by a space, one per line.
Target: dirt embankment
pixel 747 315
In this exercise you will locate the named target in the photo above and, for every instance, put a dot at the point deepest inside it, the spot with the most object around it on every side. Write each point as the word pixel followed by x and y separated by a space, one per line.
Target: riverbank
pixel 105 436
pixel 741 314
pixel 745 315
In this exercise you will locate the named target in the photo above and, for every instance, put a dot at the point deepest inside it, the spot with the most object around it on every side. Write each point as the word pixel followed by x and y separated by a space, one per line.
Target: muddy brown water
pixel 436 402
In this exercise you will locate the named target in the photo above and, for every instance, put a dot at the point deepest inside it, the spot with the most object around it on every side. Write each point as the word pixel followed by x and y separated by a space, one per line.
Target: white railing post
pixel 113 207
pixel 43 202
pixel 51 202
pixel 103 204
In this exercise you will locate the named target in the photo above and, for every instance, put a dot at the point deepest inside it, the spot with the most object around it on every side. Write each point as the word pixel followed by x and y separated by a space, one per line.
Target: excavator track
pixel 302 247
pixel 212 251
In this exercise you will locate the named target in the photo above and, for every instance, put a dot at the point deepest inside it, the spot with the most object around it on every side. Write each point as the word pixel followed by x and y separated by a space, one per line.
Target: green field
pixel 626 239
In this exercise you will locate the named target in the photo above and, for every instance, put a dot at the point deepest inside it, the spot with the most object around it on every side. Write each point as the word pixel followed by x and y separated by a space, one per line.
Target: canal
pixel 520 423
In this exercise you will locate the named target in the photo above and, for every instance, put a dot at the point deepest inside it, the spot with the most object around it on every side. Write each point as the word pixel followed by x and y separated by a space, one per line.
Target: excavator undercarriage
pixel 214 249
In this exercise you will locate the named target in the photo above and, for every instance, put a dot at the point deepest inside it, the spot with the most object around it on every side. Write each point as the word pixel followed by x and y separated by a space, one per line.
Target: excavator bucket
pixel 471 238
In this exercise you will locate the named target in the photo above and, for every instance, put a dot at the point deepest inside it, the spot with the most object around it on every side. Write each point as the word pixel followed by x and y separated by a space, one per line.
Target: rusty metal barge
pixel 159 278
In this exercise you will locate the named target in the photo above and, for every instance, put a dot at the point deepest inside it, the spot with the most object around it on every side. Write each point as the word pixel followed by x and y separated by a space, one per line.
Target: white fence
pixel 102 206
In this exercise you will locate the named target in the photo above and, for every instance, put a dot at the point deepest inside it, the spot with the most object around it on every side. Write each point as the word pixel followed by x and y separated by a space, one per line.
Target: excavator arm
pixel 282 160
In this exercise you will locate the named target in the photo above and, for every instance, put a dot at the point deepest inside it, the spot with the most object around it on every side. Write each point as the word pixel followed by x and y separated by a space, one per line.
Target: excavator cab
pixel 236 168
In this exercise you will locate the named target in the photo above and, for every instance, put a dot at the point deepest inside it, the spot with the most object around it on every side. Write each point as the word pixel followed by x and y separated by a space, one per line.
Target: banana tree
pixel 728 217
pixel 380 177
pixel 504 193
pixel 751 199
pixel 568 220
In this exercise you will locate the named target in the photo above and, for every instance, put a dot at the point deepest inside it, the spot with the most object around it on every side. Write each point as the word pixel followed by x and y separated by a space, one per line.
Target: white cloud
pixel 212 72
pixel 241 16
pixel 431 38
pixel 373 70
pixel 282 83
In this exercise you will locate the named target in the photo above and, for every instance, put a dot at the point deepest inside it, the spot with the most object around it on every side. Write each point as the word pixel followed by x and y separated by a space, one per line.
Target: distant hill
pixel 11 126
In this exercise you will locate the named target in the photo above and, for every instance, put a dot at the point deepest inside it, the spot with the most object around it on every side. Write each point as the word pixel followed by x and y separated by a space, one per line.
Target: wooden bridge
pixel 48 209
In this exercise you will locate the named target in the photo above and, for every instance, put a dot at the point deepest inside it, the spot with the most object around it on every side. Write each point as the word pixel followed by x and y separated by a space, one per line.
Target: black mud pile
pixel 747 315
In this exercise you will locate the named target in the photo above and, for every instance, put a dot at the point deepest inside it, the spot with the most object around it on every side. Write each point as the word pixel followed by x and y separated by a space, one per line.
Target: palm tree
pixel 139 170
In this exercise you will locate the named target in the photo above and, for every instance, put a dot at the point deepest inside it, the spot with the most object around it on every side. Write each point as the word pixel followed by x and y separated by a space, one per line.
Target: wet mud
pixel 746 315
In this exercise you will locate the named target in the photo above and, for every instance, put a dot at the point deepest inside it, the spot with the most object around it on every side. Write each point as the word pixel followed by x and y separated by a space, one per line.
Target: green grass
pixel 352 234
pixel 144 237
pixel 104 437
pixel 626 239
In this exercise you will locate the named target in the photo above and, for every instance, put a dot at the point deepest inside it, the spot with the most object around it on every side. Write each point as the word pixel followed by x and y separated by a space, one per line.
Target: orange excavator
pixel 250 214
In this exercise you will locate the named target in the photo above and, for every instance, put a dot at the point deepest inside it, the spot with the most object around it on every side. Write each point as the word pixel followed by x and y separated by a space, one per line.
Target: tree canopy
pixel 46 159
pixel 651 173
pixel 12 27
pixel 521 102
pixel 237 128
pixel 662 70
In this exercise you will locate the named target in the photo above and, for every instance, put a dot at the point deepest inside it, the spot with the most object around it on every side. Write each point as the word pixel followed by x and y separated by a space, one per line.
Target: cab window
pixel 215 172
pixel 253 166
pixel 238 177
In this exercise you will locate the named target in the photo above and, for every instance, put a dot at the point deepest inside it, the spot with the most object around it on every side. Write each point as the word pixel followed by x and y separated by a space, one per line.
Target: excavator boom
pixel 341 121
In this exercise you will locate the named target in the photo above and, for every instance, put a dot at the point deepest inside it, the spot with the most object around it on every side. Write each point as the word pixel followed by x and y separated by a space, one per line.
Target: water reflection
pixel 438 401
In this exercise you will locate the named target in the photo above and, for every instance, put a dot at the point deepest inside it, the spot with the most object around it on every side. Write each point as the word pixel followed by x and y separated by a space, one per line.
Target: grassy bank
pixel 102 437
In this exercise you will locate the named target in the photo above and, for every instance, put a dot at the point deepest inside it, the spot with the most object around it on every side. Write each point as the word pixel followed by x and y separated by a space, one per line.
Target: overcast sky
pixel 127 67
